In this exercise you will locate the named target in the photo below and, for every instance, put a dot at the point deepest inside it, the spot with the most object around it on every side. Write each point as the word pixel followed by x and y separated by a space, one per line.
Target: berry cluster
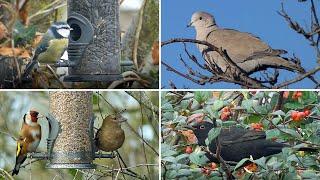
pixel 298 116
pixel 226 113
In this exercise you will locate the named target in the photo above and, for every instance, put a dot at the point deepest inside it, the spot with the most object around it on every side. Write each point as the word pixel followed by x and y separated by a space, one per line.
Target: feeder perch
pixel 94 42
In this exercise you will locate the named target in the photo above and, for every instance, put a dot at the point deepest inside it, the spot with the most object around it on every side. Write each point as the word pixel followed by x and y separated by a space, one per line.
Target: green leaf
pixel 169 159
pixel 261 162
pixel 198 158
pixel 272 133
pixel 181 157
pixel 167 107
pixel 247 104
pixel 294 105
pixel 241 163
pixel 202 96
pixel 214 133
pixel 277 120
pixel 217 105
pixel 308 174
pixel 252 119
pixel 171 174
pixel 279 112
pixel 166 150
pixel 184 172
pixel 228 123
pixel 291 132
pixel 309 97
pixel 180 119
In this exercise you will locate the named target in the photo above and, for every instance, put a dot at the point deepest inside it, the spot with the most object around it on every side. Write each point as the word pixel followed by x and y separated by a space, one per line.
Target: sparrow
pixel 110 136
pixel 29 139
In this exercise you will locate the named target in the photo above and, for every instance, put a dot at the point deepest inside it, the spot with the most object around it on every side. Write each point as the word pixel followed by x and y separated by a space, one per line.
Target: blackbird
pixel 236 143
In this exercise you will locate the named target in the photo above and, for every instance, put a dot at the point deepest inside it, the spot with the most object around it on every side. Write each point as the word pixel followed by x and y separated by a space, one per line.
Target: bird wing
pixel 238 135
pixel 55 50
pixel 42 47
pixel 239 45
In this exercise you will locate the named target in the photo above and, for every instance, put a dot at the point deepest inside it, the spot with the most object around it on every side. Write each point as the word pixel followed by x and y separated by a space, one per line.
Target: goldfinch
pixel 29 139
pixel 110 136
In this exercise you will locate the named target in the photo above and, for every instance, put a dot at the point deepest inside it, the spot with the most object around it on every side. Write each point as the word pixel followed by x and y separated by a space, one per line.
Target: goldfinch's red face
pixel 34 116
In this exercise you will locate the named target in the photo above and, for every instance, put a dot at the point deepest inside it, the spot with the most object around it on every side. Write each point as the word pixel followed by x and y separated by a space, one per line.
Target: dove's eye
pixel 202 127
pixel 200 18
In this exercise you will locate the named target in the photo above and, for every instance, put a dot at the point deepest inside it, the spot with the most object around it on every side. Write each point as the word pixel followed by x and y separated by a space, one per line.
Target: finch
pixel 29 139
pixel 110 136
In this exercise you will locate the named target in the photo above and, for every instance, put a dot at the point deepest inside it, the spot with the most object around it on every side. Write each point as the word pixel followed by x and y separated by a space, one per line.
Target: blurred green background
pixel 15 104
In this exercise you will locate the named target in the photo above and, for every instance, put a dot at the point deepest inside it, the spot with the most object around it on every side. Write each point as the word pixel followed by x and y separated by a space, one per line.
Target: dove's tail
pixel 276 62
pixel 281 63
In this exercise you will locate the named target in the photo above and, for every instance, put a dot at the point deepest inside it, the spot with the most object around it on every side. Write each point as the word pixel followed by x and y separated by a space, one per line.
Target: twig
pixel 55 75
pixel 137 36
pixel 47 9
pixel 8 134
pixel 6 174
pixel 234 72
pixel 142 135
pixel 299 78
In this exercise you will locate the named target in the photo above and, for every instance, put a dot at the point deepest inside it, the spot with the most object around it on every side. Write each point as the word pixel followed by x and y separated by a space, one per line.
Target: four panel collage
pixel 159 89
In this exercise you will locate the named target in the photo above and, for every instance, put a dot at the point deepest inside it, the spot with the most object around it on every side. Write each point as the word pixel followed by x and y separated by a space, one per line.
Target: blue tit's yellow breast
pixel 54 52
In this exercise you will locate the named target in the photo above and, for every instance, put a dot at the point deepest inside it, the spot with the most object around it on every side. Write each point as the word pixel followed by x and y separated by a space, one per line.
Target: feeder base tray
pixel 71 166
pixel 96 78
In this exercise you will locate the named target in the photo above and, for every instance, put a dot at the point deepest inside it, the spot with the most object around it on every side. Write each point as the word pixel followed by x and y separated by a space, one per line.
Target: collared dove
pixel 250 53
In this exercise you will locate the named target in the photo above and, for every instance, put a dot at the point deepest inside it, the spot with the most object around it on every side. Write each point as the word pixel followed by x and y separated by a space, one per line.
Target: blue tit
pixel 51 47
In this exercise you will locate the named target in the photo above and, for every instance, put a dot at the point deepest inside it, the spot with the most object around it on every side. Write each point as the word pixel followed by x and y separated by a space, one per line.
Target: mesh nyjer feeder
pixel 94 43
pixel 70 141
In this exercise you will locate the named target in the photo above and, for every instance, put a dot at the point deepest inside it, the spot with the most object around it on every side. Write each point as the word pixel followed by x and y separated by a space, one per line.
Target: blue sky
pixel 257 17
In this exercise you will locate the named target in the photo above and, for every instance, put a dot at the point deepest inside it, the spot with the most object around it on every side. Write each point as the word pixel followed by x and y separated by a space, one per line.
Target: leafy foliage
pixel 272 111
pixel 23 35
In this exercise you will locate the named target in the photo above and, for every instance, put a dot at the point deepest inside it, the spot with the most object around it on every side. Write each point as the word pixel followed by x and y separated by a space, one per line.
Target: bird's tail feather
pixel 29 68
pixel 279 62
pixel 19 161
pixel 283 63
pixel 16 169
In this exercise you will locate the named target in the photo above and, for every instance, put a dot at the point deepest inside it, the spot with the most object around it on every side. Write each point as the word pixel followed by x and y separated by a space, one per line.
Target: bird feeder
pixel 73 147
pixel 70 140
pixel 94 42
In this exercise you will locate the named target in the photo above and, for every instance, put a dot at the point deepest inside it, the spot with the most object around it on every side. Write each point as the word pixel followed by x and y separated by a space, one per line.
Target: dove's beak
pixel 189 25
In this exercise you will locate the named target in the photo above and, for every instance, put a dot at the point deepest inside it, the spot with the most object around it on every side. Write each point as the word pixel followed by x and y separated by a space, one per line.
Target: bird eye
pixel 202 127
pixel 200 18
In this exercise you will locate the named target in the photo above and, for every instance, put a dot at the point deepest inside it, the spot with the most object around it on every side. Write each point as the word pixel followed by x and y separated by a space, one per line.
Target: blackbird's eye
pixel 202 127
pixel 200 18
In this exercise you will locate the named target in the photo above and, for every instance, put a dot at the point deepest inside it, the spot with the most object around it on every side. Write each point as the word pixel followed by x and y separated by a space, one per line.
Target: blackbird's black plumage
pixel 237 143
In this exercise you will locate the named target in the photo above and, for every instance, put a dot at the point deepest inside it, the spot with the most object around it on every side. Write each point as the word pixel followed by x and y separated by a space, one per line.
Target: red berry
pixel 294 116
pixel 203 170
pixel 226 109
pixel 307 112
pixel 213 165
pixel 257 126
pixel 188 150
pixel 301 115
pixel 207 172
pixel 296 95
pixel 286 94
pixel 224 116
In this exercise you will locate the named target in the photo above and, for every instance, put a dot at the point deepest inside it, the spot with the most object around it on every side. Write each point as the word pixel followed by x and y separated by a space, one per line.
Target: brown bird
pixel 110 136
pixel 29 139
